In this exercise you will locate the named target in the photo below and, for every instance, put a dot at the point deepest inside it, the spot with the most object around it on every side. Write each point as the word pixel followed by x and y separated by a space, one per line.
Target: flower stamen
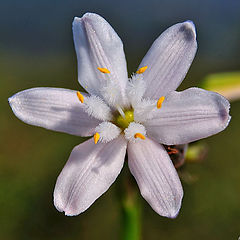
pixel 160 101
pixel 141 70
pixel 139 135
pixel 103 70
pixel 96 137
pixel 80 97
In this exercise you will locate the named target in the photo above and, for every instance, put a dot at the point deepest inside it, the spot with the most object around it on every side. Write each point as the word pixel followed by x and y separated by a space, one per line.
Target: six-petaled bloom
pixel 136 115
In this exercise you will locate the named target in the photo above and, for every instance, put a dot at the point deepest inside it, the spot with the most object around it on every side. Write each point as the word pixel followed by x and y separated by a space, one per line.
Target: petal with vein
pixel 57 109
pixel 89 172
pixel 169 59
pixel 156 176
pixel 189 116
pixel 98 46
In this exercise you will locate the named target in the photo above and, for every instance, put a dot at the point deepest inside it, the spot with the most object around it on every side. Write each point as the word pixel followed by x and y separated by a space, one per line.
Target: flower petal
pixel 88 173
pixel 189 116
pixel 57 109
pixel 156 176
pixel 98 46
pixel 169 59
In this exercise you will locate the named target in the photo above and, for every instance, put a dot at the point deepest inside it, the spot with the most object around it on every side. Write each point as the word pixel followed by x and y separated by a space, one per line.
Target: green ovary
pixel 124 122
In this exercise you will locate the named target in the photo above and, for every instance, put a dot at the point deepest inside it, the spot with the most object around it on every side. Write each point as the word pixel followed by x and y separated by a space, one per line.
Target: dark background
pixel 36 49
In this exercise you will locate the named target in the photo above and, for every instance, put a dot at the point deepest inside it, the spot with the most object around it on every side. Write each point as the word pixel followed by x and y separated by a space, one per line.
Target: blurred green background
pixel 36 49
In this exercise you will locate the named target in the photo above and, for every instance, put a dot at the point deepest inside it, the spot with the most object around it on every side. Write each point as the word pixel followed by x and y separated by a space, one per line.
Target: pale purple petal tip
pixel 169 59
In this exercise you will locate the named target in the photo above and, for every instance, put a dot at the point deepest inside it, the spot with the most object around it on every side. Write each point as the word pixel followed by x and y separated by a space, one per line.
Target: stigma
pixel 124 119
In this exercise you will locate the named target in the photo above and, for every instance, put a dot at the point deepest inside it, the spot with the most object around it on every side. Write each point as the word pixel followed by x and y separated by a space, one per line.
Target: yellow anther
pixel 96 137
pixel 139 135
pixel 160 101
pixel 141 70
pixel 103 70
pixel 80 97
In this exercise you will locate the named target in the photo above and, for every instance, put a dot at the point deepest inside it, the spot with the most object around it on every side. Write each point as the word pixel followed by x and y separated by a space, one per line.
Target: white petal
pixel 189 116
pixel 57 109
pixel 156 176
pixel 169 59
pixel 98 45
pixel 89 172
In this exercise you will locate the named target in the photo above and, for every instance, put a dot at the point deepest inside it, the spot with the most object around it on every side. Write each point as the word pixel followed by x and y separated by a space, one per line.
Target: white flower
pixel 137 114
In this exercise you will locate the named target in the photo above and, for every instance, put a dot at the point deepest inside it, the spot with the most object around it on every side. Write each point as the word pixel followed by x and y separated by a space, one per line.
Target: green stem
pixel 130 209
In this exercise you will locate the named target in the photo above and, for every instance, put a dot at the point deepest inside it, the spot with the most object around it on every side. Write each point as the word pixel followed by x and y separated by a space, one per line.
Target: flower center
pixel 123 121
pixel 120 121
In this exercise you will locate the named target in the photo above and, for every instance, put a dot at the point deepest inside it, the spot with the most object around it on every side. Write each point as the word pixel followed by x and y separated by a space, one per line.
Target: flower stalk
pixel 131 209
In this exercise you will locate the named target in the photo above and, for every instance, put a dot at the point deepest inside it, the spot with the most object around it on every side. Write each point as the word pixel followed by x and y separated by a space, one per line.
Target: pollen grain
pixel 141 70
pixel 80 97
pixel 139 135
pixel 96 137
pixel 160 101
pixel 103 70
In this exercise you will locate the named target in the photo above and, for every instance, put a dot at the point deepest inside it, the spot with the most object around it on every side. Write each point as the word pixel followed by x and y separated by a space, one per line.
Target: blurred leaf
pixel 196 152
pixel 227 84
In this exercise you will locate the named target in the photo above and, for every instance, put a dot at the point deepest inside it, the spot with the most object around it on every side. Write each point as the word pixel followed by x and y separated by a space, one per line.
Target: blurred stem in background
pixel 130 205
